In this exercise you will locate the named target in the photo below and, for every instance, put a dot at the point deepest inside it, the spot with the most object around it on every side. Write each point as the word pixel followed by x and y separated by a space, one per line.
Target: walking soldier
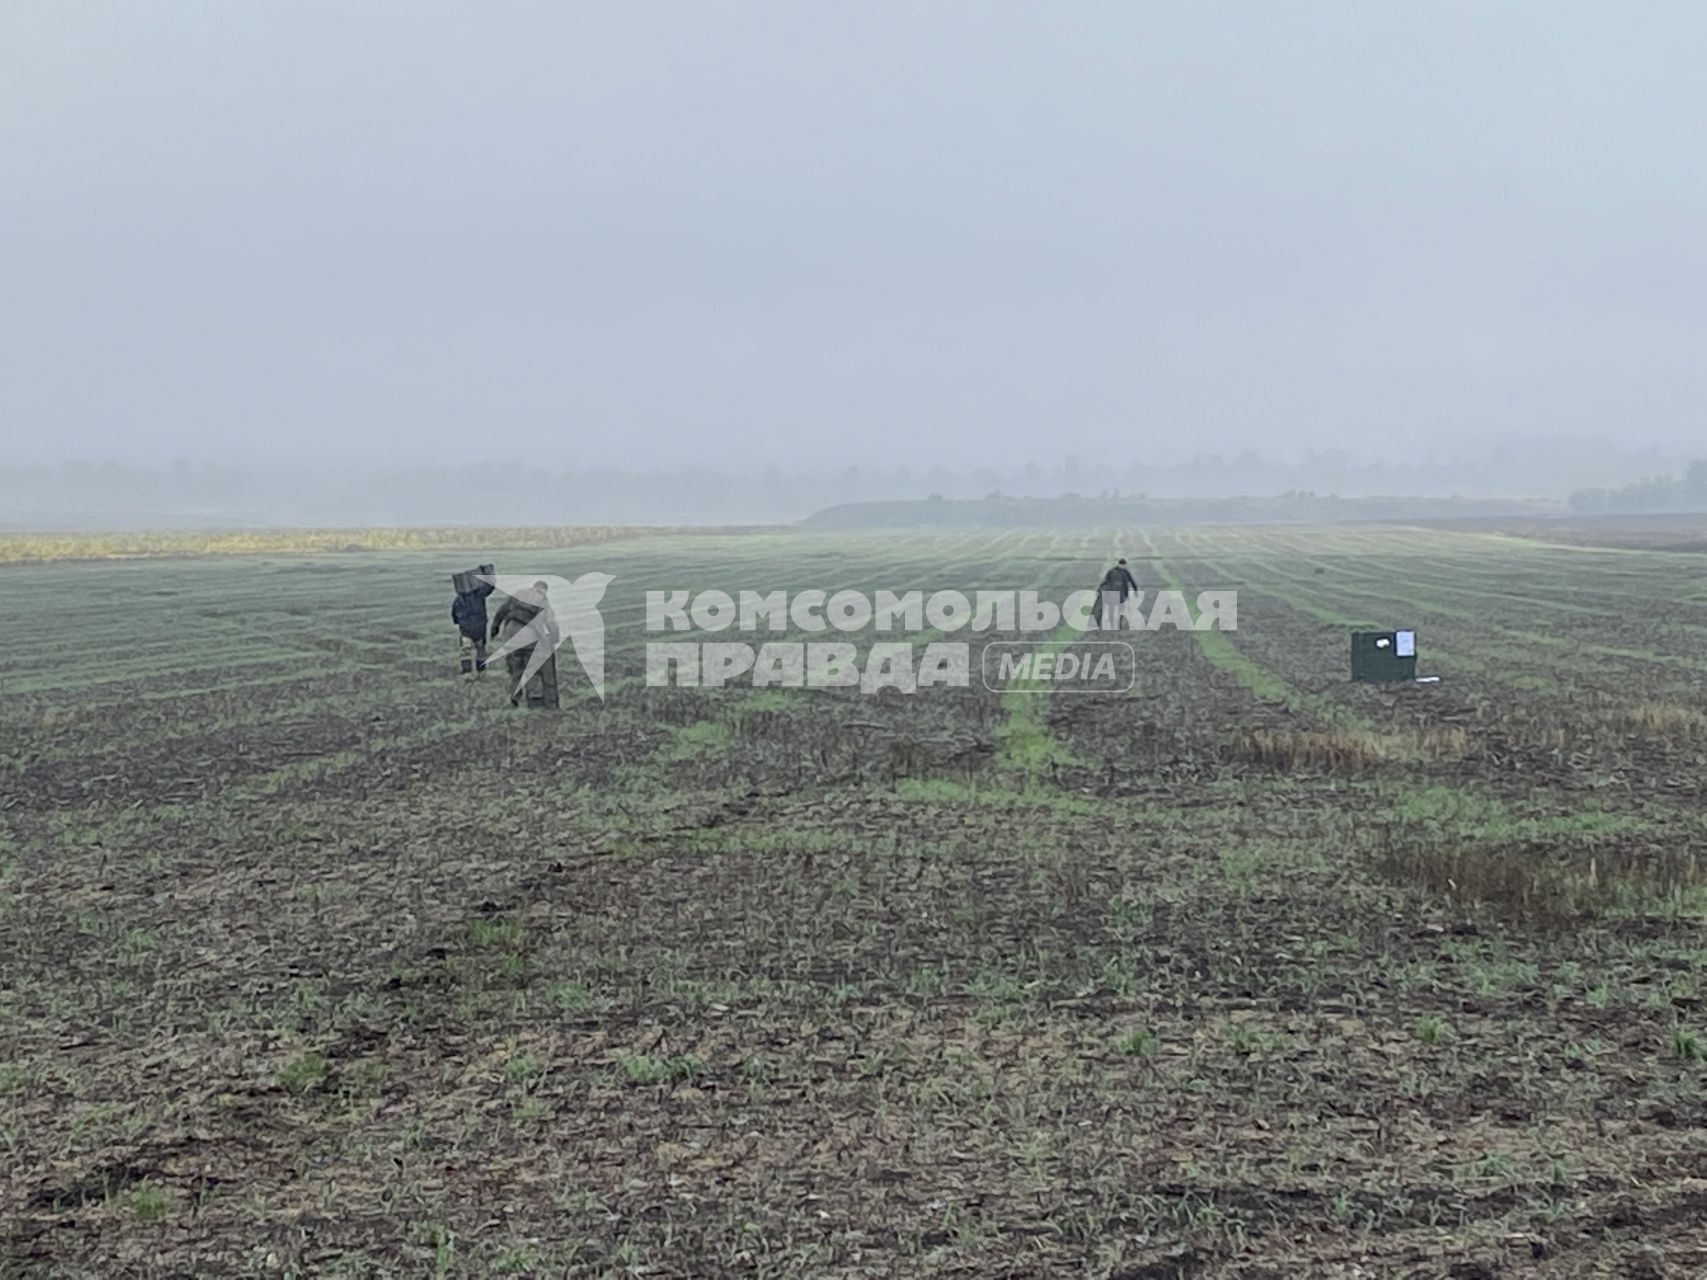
pixel 468 611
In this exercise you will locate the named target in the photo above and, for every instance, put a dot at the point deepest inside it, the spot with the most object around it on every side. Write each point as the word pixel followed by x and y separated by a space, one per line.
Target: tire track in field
pixel 1025 740
pixel 1261 682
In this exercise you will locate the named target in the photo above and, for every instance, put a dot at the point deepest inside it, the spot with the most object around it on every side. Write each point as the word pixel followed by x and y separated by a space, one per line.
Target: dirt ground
pixel 317 960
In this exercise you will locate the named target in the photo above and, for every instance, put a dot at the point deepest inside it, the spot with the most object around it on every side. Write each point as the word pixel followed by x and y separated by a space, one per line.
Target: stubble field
pixel 316 960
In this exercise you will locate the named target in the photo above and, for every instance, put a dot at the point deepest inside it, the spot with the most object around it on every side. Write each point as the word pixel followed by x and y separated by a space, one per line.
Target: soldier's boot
pixel 548 684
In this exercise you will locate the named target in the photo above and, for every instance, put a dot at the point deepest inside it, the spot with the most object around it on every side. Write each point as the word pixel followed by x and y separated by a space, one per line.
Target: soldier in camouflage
pixel 1116 587
pixel 526 616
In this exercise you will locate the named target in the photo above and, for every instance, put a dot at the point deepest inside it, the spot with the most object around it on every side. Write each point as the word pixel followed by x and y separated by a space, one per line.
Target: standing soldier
pixel 523 621
pixel 1112 593
pixel 468 611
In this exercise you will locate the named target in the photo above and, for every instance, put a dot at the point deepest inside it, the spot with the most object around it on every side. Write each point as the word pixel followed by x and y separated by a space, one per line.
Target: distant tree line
pixel 90 495
pixel 1111 510
pixel 1687 492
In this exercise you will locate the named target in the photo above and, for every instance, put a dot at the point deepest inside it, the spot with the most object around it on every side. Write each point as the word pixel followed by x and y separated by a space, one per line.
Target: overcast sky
pixel 809 232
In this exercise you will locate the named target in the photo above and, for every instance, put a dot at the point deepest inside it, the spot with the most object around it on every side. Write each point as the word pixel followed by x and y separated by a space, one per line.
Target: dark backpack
pixel 468 611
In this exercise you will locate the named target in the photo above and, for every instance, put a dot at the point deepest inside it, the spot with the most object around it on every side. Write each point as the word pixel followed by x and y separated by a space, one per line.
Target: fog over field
pixel 857 641
pixel 110 495
pixel 1451 248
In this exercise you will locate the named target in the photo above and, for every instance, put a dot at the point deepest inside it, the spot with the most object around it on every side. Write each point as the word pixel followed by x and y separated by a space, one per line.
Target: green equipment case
pixel 1384 657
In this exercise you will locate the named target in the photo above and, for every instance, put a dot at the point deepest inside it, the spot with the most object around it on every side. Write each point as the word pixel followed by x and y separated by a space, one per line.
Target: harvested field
pixel 1629 531
pixel 318 961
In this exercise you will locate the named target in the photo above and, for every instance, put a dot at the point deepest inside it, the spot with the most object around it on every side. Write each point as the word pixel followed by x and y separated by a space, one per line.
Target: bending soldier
pixel 525 618
pixel 1113 591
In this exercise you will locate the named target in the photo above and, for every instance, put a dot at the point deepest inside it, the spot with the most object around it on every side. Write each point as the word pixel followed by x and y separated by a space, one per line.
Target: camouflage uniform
pixel 514 616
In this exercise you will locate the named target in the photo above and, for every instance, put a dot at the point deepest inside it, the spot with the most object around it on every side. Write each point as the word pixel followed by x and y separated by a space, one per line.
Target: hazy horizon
pixel 643 235
pixel 111 494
